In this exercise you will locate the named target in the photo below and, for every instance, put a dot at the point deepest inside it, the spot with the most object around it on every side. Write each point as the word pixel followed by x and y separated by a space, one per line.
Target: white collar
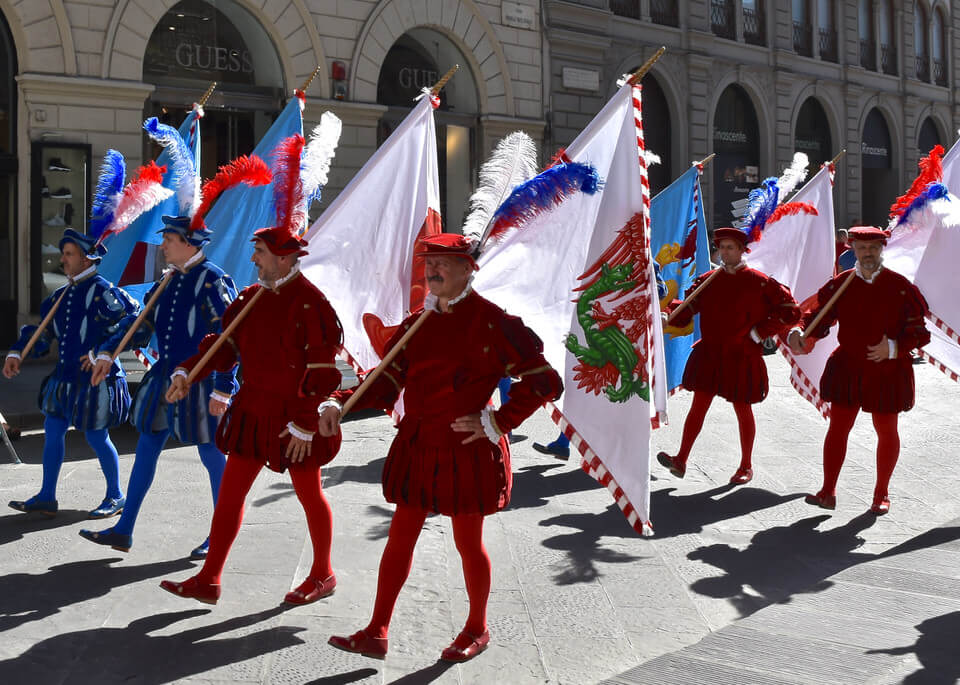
pixel 283 280
pixel 199 257
pixel 742 264
pixel 83 275
pixel 873 277
pixel 430 300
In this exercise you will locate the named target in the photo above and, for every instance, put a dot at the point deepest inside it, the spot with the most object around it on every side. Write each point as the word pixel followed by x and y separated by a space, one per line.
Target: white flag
pixel 361 248
pixel 582 278
pixel 798 250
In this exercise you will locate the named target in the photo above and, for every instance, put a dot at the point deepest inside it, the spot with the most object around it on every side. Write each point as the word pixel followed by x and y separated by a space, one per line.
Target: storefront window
pixel 929 136
pixel 813 134
pixel 879 181
pixel 736 141
pixel 656 132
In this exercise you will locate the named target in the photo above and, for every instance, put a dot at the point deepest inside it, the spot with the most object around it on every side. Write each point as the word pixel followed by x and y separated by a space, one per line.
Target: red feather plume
pixel 791 208
pixel 149 173
pixel 244 169
pixel 287 186
pixel 931 171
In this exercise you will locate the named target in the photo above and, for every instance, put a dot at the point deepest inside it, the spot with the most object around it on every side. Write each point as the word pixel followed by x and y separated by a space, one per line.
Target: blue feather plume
pixel 181 163
pixel 762 202
pixel 934 191
pixel 542 193
pixel 107 194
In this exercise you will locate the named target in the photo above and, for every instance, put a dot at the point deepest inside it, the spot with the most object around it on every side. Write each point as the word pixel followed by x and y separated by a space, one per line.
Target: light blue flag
pixel 679 244
pixel 241 210
pixel 144 229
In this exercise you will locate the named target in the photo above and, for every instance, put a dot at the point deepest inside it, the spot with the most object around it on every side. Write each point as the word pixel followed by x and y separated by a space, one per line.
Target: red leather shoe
pixel 311 590
pixel 676 468
pixel 361 643
pixel 466 646
pixel 822 501
pixel 881 506
pixel 742 476
pixel 191 588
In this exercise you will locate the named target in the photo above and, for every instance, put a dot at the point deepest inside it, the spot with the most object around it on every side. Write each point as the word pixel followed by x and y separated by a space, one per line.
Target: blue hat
pixel 180 225
pixel 87 243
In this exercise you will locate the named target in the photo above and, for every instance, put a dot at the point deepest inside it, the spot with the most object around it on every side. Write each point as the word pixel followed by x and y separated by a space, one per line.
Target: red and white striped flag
pixel 799 251
pixel 582 278
pixel 361 248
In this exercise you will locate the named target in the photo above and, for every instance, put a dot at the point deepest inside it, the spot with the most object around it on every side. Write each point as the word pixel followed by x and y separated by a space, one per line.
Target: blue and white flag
pixel 130 260
pixel 679 244
pixel 241 210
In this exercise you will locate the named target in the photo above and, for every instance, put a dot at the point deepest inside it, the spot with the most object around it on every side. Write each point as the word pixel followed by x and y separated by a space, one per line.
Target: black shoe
pixel 558 452
pixel 61 193
pixel 56 165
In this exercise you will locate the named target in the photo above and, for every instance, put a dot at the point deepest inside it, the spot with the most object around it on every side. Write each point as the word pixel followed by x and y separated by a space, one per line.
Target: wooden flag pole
pixel 823 312
pixel 706 160
pixel 147 308
pixel 694 294
pixel 306 84
pixel 438 86
pixel 224 336
pixel 206 96
pixel 394 351
pixel 43 324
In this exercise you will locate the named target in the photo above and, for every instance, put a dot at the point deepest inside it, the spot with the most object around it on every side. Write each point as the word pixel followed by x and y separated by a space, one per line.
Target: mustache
pixel 435 278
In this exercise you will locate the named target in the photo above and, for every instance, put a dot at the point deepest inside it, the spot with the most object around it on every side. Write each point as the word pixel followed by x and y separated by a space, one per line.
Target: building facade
pixel 80 76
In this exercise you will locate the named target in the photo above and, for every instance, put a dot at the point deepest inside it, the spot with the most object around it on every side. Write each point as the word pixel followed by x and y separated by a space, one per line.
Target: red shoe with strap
pixel 742 476
pixel 881 505
pixel 822 501
pixel 361 643
pixel 466 646
pixel 676 468
pixel 311 590
pixel 191 588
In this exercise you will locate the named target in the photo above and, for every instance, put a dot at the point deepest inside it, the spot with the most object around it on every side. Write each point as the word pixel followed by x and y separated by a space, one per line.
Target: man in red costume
pixel 881 321
pixel 738 309
pixel 286 345
pixel 450 455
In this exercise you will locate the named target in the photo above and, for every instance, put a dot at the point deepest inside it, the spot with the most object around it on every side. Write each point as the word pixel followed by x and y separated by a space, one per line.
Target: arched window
pixel 656 132
pixel 888 48
pixel 868 55
pixel 929 136
pixel 879 183
pixel 939 48
pixel 812 135
pixel 736 141
pixel 920 50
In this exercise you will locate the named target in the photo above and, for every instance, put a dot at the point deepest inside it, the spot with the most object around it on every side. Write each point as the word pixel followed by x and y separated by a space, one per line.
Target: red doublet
pixel 726 361
pixel 286 345
pixel 448 369
pixel 890 305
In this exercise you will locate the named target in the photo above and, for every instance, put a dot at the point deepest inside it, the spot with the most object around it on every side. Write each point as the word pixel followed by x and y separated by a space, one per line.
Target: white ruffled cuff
pixel 490 426
pixel 330 403
pixel 892 348
pixel 14 355
pixel 179 371
pixel 299 433
pixel 754 336
pixel 221 397
pixel 102 356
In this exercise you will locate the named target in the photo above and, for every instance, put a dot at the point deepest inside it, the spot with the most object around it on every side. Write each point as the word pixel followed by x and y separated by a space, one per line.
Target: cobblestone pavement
pixel 744 584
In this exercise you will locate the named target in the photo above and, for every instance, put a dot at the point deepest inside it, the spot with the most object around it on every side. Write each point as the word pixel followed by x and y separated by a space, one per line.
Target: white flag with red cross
pixel 361 248
pixel 582 278
pixel 798 250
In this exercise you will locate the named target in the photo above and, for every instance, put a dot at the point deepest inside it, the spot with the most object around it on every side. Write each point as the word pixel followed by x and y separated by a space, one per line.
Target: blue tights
pixel 54 447
pixel 149 447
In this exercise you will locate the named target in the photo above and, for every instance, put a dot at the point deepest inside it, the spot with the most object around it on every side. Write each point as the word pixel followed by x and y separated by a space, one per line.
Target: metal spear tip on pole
pixel 706 160
pixel 839 155
pixel 438 86
pixel 638 75
pixel 206 96
pixel 306 84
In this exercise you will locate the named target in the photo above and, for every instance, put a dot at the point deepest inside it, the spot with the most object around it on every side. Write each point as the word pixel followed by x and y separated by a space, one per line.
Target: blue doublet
pixel 90 313
pixel 190 307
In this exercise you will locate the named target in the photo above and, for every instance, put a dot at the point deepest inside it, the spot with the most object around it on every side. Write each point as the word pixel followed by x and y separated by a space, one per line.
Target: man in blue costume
pixel 90 313
pixel 188 309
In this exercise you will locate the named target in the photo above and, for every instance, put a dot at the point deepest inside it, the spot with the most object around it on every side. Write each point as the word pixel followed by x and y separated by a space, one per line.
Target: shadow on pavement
pixel 32 597
pixel 380 530
pixel 534 485
pixel 424 675
pixel 332 476
pixel 30 446
pixel 584 547
pixel 15 526
pixel 782 561
pixel 344 678
pixel 131 654
pixel 687 514
pixel 936 650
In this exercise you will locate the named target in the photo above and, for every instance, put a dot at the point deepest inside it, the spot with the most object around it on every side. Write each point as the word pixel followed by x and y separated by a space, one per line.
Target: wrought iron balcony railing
pixel 665 12
pixel 802 39
pixel 754 31
pixel 626 8
pixel 828 45
pixel 888 59
pixel 868 55
pixel 721 19
pixel 923 68
pixel 939 72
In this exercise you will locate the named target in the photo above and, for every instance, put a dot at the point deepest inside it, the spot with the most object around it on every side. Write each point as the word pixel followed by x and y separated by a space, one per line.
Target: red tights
pixel 238 477
pixel 835 447
pixel 398 558
pixel 694 422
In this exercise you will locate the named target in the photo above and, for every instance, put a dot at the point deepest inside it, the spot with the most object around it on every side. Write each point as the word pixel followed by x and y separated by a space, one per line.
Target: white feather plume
pixel 651 158
pixel 512 162
pixel 318 154
pixel 793 175
pixel 132 205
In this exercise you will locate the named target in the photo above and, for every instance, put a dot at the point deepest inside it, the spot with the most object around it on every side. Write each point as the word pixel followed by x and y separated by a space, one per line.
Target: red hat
pixel 281 241
pixel 867 234
pixel 446 244
pixel 730 234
